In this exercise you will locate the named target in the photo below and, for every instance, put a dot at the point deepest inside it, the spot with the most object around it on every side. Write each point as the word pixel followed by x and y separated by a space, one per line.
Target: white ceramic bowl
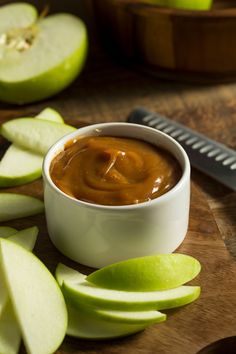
pixel 97 235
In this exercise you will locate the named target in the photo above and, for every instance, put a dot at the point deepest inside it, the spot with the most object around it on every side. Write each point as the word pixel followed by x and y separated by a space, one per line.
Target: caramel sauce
pixel 114 171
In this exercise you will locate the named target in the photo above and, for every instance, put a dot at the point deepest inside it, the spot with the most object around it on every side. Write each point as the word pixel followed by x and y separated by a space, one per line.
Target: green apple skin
pixel 46 84
pixel 146 318
pixel 160 272
pixel 36 298
pixel 84 326
pixel 183 4
pixel 127 300
pixel 6 231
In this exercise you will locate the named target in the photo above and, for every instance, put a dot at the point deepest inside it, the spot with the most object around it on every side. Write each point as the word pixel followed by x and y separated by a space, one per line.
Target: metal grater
pixel 208 156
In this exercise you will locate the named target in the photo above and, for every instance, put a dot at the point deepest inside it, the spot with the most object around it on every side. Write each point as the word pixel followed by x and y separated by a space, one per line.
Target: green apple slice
pixel 10 335
pixel 26 238
pixel 76 291
pixel 6 231
pixel 19 166
pixel 22 15
pixel 15 206
pixel 160 272
pixel 41 59
pixel 37 135
pixel 36 298
pixel 82 325
pixel 50 114
pixel 66 274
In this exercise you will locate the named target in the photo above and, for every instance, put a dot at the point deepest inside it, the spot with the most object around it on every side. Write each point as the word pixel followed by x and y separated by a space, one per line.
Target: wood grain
pixel 107 91
pixel 189 45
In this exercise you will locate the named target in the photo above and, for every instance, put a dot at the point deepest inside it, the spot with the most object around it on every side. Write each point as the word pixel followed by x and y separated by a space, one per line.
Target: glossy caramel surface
pixel 114 171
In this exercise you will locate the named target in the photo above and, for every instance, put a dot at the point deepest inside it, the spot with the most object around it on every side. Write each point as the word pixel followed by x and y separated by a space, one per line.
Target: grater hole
pixel 176 133
pixel 213 152
pixel 168 129
pixel 205 149
pixel 148 118
pixel 221 157
pixel 191 140
pixel 198 144
pixel 161 125
pixel 183 137
pixel 233 167
pixel 229 160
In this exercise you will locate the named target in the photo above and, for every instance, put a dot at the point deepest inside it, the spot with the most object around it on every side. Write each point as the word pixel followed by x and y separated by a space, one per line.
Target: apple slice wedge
pixel 36 298
pixel 26 238
pixel 145 318
pixel 19 166
pixel 15 206
pixel 76 291
pixel 37 135
pixel 51 115
pixel 84 326
pixel 10 335
pixel 158 272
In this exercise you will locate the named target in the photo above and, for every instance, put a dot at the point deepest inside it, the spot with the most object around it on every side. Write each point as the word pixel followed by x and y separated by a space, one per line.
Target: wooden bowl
pixel 180 44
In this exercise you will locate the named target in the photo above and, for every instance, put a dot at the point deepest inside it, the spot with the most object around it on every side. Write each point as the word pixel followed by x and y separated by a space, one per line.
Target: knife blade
pixel 210 157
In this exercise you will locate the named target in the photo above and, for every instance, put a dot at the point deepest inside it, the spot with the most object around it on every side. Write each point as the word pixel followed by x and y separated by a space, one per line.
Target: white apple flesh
pixel 36 298
pixel 15 206
pixel 10 335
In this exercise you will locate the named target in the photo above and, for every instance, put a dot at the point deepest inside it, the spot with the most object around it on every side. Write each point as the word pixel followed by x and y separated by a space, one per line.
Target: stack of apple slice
pixel 32 306
pixel 126 297
pixel 31 138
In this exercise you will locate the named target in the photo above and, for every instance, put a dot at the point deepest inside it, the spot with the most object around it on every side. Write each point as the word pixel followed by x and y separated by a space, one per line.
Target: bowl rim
pixel 59 145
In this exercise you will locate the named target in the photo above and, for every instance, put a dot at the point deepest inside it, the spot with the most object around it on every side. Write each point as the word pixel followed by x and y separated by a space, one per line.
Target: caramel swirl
pixel 114 171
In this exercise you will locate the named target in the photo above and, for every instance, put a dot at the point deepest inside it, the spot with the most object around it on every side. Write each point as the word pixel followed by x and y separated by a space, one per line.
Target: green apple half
pixel 82 291
pixel 183 4
pixel 19 166
pixel 144 318
pixel 160 272
pixel 15 206
pixel 38 56
pixel 36 299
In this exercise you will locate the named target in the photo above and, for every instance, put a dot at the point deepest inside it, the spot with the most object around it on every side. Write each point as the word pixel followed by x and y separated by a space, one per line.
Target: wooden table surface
pixel 107 91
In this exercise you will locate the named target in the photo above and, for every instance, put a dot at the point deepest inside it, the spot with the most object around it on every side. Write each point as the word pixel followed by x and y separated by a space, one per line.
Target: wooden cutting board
pixel 107 91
